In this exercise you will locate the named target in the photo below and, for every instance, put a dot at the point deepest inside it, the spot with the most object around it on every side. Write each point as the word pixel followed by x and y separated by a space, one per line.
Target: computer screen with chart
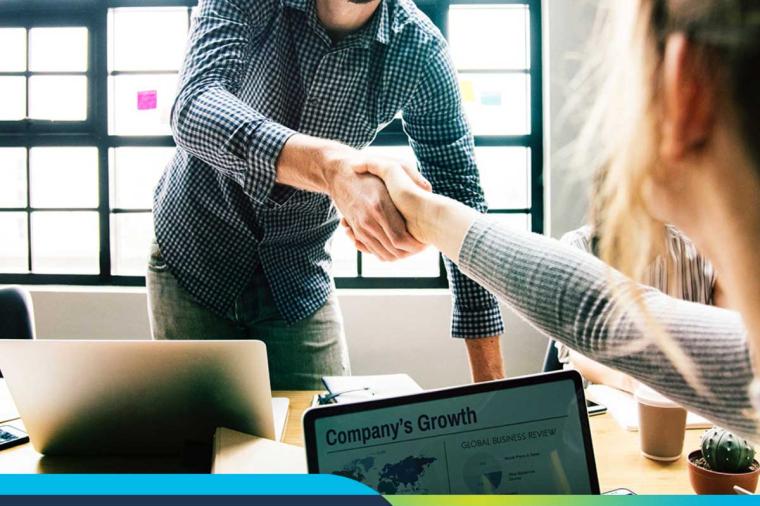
pixel 522 436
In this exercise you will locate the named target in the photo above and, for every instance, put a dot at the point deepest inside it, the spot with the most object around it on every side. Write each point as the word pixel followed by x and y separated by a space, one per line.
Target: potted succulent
pixel 723 461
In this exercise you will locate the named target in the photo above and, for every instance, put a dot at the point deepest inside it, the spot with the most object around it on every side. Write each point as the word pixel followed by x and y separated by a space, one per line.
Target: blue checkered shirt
pixel 256 72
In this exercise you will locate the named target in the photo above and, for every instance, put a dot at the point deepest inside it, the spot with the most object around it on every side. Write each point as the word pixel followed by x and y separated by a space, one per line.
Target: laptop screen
pixel 517 438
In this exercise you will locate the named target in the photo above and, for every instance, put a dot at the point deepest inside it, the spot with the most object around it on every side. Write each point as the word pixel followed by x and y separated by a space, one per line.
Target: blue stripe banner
pixel 184 500
pixel 184 489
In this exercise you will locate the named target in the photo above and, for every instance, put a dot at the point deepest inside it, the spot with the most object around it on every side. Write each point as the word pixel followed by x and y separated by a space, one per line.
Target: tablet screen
pixel 517 440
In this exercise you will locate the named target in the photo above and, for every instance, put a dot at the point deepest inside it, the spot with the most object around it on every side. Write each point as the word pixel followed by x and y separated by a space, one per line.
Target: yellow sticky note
pixel 468 91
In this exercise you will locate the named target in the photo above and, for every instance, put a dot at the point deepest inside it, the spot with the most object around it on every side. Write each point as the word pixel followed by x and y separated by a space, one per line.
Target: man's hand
pixel 369 215
pixel 346 174
pixel 486 362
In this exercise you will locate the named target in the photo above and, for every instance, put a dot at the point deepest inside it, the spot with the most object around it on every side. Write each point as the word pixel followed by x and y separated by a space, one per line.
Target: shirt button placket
pixel 319 90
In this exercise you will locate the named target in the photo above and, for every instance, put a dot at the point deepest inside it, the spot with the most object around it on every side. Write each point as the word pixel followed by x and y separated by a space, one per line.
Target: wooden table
pixel 618 458
pixel 620 464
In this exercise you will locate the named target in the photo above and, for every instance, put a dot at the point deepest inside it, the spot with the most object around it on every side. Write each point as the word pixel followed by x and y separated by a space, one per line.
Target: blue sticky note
pixel 490 98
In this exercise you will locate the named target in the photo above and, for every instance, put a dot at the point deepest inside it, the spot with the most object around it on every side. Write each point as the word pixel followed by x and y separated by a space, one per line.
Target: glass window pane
pixel 14 243
pixel 147 38
pixel 59 98
pixel 521 222
pixel 12 177
pixel 141 104
pixel 493 37
pixel 58 49
pixel 12 98
pixel 496 104
pixel 505 176
pixel 64 177
pixel 65 243
pixel 13 55
pixel 422 265
pixel 134 174
pixel 131 234
pixel 343 255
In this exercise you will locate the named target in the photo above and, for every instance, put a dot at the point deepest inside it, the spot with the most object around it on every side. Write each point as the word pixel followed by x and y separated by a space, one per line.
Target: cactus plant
pixel 725 452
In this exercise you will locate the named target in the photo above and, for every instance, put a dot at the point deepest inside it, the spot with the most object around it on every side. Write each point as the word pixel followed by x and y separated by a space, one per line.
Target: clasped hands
pixel 379 198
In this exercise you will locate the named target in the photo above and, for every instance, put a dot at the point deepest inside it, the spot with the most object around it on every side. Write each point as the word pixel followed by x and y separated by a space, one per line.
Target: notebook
pixel 622 406
pixel 364 388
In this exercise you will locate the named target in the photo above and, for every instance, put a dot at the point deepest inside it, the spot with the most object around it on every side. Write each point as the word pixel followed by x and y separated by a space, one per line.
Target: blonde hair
pixel 625 118
pixel 623 129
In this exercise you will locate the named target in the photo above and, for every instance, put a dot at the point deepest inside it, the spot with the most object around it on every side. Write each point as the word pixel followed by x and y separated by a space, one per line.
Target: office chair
pixel 551 359
pixel 16 314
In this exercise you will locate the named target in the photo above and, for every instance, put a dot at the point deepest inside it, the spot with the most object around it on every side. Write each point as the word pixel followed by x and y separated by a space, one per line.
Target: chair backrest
pixel 16 313
pixel 551 359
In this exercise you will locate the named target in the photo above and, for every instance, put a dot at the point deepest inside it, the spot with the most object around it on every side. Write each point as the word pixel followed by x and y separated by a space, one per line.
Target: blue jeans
pixel 299 353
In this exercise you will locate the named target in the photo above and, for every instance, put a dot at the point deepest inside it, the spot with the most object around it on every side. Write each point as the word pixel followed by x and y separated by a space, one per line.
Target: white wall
pixel 390 331
pixel 566 31
pixel 387 330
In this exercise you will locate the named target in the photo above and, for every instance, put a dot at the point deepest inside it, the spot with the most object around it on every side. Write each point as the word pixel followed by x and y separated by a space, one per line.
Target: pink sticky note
pixel 147 100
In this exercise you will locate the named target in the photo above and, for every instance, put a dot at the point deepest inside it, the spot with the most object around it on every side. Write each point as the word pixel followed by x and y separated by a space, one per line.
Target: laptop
pixel 527 435
pixel 97 397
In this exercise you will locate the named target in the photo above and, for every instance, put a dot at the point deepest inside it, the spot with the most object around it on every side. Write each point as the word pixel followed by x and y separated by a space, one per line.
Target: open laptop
pixel 80 397
pixel 526 435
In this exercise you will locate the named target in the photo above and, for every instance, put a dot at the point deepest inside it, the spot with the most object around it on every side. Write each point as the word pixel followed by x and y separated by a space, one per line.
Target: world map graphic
pixel 400 477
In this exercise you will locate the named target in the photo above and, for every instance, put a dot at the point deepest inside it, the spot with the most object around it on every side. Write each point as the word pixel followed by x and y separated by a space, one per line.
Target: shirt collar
pixel 380 24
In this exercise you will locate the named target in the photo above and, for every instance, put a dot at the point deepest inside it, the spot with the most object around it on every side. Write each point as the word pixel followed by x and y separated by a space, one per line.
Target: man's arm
pixel 210 122
pixel 441 139
pixel 486 362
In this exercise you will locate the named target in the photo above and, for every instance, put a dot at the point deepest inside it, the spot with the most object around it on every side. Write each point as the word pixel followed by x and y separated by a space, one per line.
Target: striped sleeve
pixel 569 296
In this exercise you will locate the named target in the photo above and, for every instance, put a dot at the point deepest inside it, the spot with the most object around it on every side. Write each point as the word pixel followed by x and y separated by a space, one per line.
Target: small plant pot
pixel 708 482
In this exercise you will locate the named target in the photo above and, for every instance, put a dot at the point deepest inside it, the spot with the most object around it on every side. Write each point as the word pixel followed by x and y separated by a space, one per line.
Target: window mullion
pixel 99 99
pixel 94 132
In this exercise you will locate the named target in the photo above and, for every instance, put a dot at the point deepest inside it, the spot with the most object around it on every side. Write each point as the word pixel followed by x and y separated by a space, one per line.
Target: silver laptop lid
pixel 136 397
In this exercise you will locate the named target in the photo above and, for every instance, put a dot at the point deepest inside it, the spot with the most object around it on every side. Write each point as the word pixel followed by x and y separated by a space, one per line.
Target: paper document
pixel 8 409
pixel 364 388
pixel 239 453
pixel 624 409
pixel 281 410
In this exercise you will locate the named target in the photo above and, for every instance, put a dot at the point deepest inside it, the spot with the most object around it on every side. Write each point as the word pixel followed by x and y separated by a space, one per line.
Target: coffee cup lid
pixel 651 397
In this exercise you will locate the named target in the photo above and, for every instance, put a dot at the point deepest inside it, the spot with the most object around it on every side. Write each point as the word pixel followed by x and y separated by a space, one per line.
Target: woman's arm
pixel 575 299
pixel 599 374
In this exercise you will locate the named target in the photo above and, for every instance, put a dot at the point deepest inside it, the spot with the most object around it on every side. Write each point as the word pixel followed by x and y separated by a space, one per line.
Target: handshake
pixel 380 199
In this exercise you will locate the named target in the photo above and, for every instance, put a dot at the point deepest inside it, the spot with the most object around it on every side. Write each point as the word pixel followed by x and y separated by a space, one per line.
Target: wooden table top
pixel 618 458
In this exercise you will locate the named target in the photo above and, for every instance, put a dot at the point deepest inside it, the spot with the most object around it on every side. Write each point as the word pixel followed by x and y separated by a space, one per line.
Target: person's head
pixel 678 119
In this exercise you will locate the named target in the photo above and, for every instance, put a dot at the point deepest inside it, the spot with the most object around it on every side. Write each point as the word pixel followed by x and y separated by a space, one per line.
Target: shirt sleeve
pixel 579 239
pixel 208 119
pixel 576 299
pixel 440 137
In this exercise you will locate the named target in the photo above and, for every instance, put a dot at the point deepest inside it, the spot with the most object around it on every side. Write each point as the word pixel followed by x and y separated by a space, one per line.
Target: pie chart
pixel 483 474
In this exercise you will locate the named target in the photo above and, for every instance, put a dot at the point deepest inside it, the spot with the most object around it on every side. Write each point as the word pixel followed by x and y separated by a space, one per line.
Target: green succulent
pixel 725 452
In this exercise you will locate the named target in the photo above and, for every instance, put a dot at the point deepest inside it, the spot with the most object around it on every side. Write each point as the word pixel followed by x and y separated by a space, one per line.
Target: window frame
pixel 93 132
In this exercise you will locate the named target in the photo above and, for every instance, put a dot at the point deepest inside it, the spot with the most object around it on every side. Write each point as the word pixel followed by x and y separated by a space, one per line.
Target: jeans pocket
pixel 156 261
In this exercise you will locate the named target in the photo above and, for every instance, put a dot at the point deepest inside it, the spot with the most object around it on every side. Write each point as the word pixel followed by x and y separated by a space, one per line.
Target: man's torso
pixel 212 234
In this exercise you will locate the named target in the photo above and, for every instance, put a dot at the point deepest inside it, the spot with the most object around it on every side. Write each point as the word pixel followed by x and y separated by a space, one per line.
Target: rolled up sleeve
pixel 208 119
pixel 443 144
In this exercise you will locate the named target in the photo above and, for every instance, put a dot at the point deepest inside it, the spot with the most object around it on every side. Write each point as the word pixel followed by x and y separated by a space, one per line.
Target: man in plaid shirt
pixel 276 99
